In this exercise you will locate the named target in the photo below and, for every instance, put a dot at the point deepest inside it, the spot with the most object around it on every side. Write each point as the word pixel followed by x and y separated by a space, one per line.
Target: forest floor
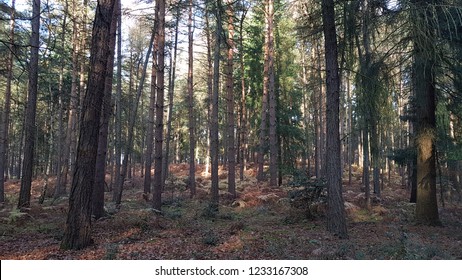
pixel 260 224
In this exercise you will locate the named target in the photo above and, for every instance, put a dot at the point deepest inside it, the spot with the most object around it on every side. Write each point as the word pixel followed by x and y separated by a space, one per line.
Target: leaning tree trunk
pixel 77 234
pixel 100 172
pixel 336 222
pixel 29 124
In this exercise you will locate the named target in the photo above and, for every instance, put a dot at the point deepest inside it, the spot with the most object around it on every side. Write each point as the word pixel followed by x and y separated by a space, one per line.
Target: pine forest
pixel 231 129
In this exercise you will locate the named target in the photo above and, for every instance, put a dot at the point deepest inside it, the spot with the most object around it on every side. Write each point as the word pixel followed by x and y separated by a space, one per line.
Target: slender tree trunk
pixel 273 138
pixel 336 222
pixel 191 122
pixel 264 104
pixel 77 234
pixel 29 124
pixel 69 147
pixel 126 171
pixel 159 127
pixel 214 112
pixel 230 102
pixel 118 104
pixel 171 91
pixel 243 120
pixel 100 167
pixel 150 128
pixel 5 119
pixel 209 89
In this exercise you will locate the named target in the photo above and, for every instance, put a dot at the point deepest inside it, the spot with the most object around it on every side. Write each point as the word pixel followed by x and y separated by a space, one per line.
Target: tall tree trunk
pixel 336 222
pixel 77 234
pixel 243 116
pixel 100 167
pixel 29 123
pixel 171 91
pixel 150 128
pixel 5 118
pixel 214 112
pixel 209 89
pixel 118 104
pixel 230 102
pixel 126 171
pixel 69 147
pixel 425 141
pixel 273 138
pixel 159 127
pixel 191 121
pixel 264 103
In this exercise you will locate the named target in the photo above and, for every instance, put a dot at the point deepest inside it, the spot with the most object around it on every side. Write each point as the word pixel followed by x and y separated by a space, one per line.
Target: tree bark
pixel 171 91
pixel 336 222
pixel 77 234
pixel 191 121
pixel 29 124
pixel 273 138
pixel 159 127
pixel 264 104
pixel 230 102
pixel 425 92
pixel 5 119
pixel 214 112
pixel 100 168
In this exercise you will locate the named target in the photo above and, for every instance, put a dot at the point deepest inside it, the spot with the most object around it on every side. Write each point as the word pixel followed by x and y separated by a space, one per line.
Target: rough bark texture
pixel 29 124
pixel 336 222
pixel 159 125
pixel 100 168
pixel 77 234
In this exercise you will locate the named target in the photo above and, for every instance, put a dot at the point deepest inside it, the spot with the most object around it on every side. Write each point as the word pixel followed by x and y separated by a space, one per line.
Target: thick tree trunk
pixel 77 234
pixel 29 124
pixel 425 92
pixel 100 168
pixel 336 222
